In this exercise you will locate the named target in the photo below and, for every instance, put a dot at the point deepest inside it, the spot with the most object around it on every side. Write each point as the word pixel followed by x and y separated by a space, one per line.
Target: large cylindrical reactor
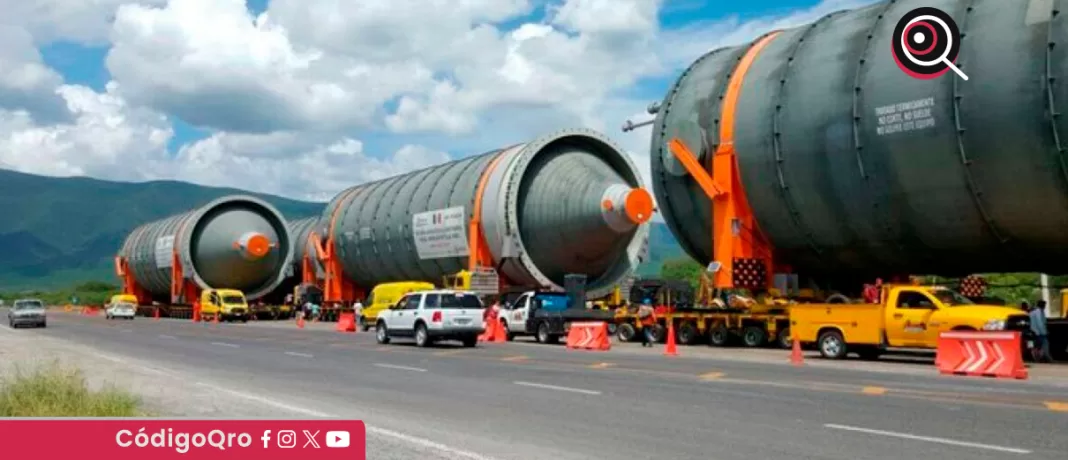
pixel 301 231
pixel 569 202
pixel 234 242
pixel 854 168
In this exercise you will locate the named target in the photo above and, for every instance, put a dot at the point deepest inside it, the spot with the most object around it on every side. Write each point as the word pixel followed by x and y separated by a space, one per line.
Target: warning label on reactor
pixel 905 117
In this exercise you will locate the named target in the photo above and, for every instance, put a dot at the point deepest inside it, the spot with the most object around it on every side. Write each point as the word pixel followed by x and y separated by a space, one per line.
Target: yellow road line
pixel 600 365
pixel 516 358
pixel 873 390
pixel 711 375
pixel 449 352
pixel 1056 406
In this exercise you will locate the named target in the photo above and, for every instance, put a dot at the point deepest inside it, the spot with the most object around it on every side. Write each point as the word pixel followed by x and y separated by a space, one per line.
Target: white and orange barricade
pixel 981 354
pixel 589 335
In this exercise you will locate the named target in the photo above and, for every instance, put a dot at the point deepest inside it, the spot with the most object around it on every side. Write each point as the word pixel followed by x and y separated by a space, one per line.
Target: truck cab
pixel 228 304
pixel 906 317
pixel 545 315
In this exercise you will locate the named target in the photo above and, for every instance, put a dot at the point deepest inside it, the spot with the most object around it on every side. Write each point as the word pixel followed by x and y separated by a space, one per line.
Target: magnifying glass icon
pixel 944 58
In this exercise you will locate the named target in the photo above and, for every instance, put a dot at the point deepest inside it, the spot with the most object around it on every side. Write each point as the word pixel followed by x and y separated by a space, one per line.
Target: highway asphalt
pixel 528 401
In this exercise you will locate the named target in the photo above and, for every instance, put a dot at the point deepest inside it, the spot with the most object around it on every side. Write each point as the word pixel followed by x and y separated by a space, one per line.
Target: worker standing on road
pixel 1038 326
pixel 647 317
pixel 357 310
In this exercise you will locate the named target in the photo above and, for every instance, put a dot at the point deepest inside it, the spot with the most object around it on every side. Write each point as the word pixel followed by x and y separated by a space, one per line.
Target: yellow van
pixel 122 298
pixel 229 304
pixel 386 295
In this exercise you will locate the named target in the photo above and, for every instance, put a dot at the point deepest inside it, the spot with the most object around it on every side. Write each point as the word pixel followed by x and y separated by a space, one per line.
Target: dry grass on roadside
pixel 55 391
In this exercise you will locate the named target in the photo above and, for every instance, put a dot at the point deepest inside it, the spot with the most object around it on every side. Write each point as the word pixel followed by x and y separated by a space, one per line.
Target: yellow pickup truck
pixel 907 317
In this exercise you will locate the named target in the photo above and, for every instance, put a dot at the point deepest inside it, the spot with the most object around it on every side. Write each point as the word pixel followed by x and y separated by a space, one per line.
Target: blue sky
pixel 83 64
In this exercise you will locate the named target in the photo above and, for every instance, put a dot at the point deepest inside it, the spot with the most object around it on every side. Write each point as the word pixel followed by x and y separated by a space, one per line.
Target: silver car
pixel 27 312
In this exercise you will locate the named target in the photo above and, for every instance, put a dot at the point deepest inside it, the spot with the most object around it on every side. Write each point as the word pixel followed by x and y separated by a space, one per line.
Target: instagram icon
pixel 287 439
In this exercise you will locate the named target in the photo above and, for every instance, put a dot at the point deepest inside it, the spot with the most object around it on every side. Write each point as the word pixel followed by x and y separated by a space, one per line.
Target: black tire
pixel 626 332
pixel 422 337
pixel 837 298
pixel 44 325
pixel 381 333
pixel 754 336
pixel 832 345
pixel 541 335
pixel 719 336
pixel 687 333
pixel 470 341
pixel 785 341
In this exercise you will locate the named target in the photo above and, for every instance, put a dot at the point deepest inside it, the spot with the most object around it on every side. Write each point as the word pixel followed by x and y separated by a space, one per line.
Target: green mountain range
pixel 55 232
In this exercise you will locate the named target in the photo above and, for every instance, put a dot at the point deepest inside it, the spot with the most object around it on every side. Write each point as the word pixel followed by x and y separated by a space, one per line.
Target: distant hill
pixel 55 232
pixel 58 231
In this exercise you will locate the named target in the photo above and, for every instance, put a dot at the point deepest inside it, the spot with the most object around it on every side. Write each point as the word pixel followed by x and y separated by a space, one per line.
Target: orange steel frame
pixel 724 188
pixel 129 283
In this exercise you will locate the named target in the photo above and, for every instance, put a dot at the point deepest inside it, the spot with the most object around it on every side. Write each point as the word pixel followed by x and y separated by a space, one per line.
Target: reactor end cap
pixel 623 207
pixel 638 205
pixel 254 245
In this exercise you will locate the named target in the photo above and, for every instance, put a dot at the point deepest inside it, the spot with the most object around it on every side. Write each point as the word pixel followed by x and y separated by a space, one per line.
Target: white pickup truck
pixel 431 316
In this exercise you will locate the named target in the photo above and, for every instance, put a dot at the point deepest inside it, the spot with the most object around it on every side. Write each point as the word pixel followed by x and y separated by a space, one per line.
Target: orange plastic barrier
pixel 346 322
pixel 981 354
pixel 590 335
pixel 494 332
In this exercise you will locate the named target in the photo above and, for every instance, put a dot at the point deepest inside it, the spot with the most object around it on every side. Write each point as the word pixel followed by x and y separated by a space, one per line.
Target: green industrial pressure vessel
pixel 568 202
pixel 855 169
pixel 234 242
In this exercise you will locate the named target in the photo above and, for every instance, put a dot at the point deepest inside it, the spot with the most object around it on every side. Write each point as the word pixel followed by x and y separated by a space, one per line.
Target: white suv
pixel 429 316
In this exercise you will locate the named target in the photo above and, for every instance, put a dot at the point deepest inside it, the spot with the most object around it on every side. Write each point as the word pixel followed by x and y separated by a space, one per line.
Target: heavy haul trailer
pixel 235 242
pixel 809 152
pixel 700 319
pixel 568 202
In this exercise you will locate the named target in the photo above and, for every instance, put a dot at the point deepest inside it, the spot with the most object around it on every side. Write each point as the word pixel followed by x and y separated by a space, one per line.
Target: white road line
pixel 165 336
pixel 224 344
pixel 370 429
pixel 558 388
pixel 116 359
pixel 914 437
pixel 403 368
pixel 299 354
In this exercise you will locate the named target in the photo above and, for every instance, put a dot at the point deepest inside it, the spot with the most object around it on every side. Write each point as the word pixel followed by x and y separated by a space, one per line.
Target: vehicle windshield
pixel 457 301
pixel 29 305
pixel 951 298
pixel 551 301
pixel 233 299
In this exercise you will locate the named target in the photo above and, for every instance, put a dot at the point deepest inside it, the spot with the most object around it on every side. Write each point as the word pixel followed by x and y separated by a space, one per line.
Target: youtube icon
pixel 337 439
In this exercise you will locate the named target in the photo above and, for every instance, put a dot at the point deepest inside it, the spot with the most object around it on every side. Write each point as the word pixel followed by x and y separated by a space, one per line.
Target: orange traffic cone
pixel 300 322
pixel 795 356
pixel 155 315
pixel 215 318
pixel 499 334
pixel 669 348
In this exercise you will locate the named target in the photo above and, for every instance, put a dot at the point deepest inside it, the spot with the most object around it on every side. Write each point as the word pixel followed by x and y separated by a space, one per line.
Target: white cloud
pixel 84 21
pixel 105 138
pixel 290 164
pixel 289 94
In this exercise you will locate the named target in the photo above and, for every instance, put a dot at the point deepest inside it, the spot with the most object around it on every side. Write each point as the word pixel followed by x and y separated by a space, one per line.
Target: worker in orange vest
pixel 647 318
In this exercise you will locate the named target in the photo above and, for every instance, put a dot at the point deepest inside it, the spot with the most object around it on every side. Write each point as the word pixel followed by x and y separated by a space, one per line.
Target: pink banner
pixel 150 439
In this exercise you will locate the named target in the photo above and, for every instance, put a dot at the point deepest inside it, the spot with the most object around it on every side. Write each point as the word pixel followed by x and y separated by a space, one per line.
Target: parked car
pixel 27 312
pixel 430 316
pixel 123 310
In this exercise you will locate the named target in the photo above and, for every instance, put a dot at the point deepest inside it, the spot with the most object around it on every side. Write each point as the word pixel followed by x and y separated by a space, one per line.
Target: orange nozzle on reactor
pixel 254 245
pixel 638 205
